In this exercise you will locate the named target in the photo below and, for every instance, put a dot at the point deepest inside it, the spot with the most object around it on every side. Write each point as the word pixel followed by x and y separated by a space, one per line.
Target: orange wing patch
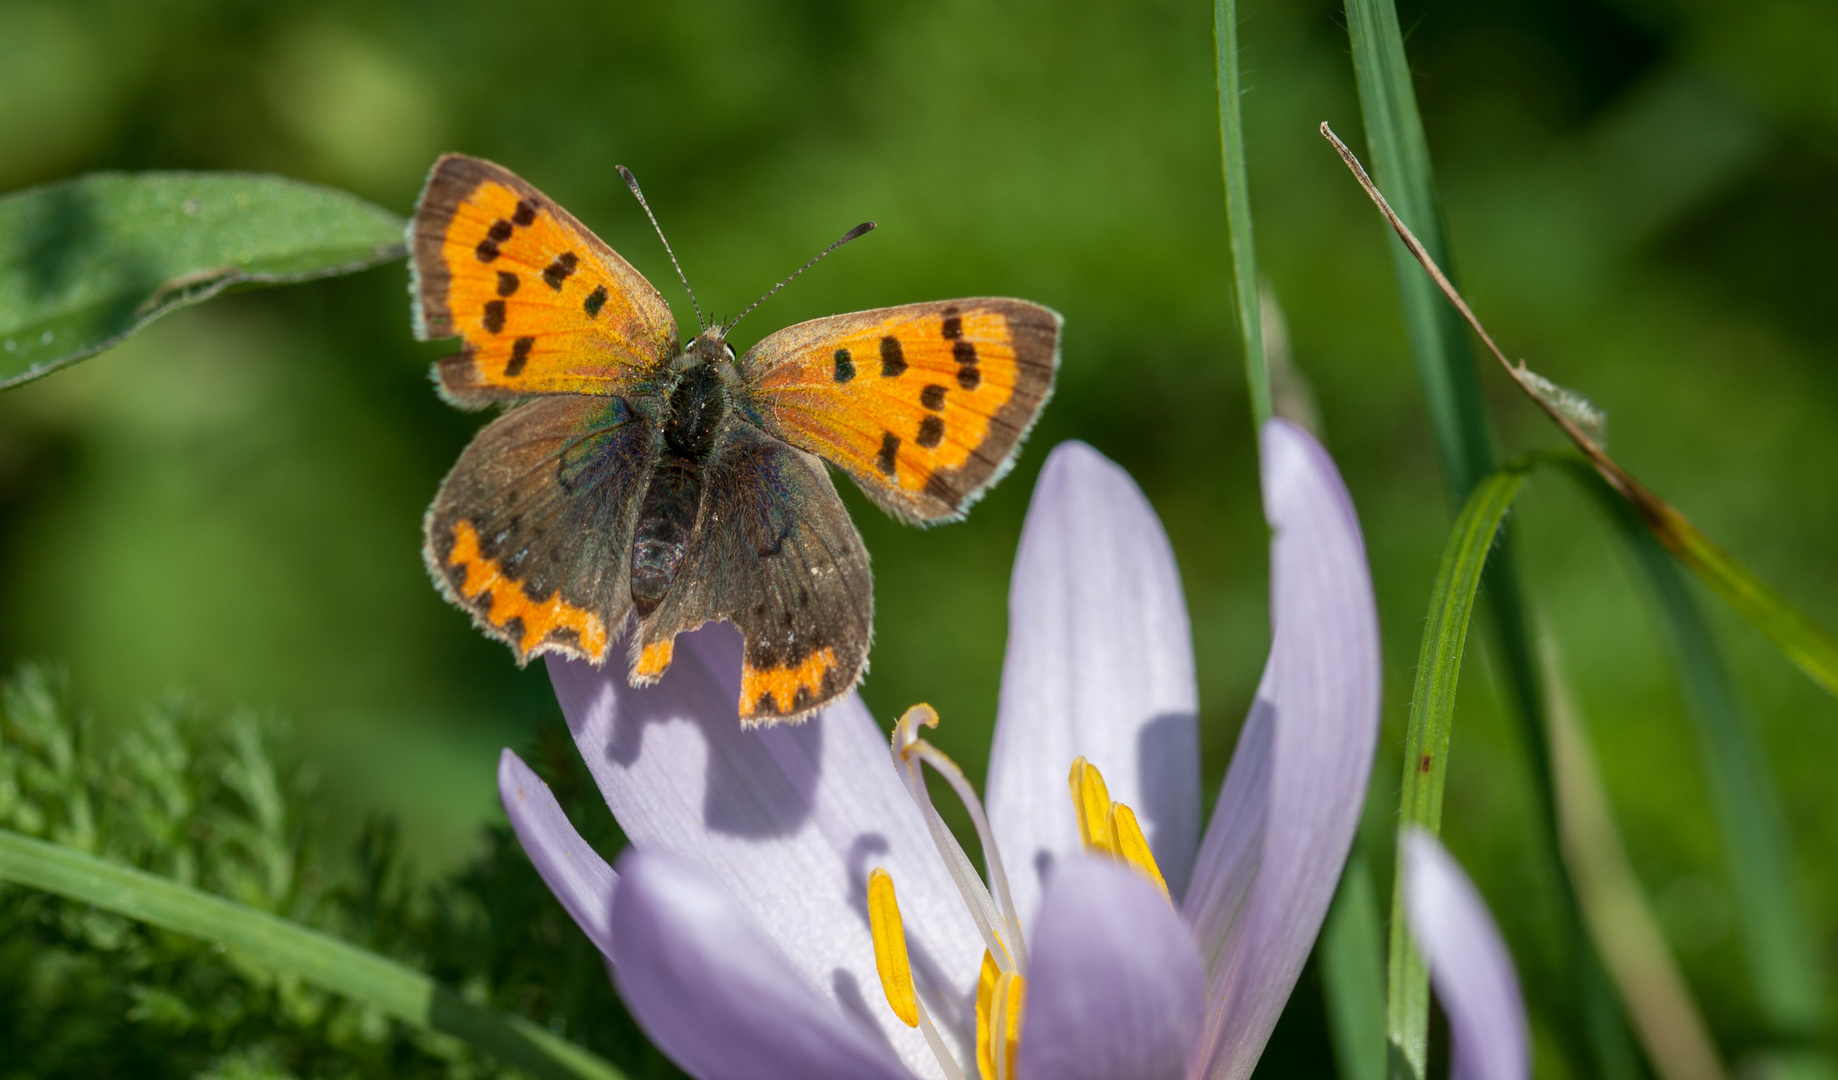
pixel 545 622
pixel 925 405
pixel 770 694
pixel 544 306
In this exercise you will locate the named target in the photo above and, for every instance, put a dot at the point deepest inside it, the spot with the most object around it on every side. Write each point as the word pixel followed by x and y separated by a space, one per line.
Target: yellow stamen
pixel 1109 828
pixel 890 948
pixel 1091 802
pixel 999 999
pixel 1133 847
pixel 985 998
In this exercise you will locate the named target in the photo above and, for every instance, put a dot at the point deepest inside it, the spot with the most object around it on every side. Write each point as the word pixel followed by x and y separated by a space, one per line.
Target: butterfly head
pixel 709 347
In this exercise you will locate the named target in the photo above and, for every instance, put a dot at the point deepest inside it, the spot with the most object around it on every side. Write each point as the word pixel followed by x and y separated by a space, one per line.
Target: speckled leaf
pixel 85 262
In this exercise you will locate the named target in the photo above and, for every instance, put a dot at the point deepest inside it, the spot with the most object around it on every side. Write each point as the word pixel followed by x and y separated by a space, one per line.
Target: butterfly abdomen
pixel 697 407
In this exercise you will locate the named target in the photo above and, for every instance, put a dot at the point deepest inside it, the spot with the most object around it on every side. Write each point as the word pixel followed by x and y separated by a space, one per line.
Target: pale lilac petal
pixel 574 872
pixel 1115 990
pixel 1285 819
pixel 1469 965
pixel 1100 663
pixel 790 819
pixel 717 995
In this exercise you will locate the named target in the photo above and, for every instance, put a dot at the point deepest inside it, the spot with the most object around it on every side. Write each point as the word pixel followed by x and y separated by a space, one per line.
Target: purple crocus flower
pixel 1468 964
pixel 753 929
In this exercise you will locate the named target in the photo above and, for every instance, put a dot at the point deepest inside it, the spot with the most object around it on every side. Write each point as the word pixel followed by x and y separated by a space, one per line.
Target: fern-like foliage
pixel 221 803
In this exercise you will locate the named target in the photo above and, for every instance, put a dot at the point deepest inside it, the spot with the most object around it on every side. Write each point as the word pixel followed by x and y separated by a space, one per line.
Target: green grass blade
pixel 1352 975
pixel 1401 164
pixel 1426 741
pixel 86 262
pixel 1238 206
pixel 318 958
pixel 1467 452
pixel 1781 949
pixel 1803 641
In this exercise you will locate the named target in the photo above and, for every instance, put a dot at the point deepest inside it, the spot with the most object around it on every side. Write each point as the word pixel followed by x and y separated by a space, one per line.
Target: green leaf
pixel 1352 976
pixel 1238 206
pixel 1466 449
pixel 86 262
pixel 318 958
pixel 1401 160
pixel 1782 951
pixel 1426 739
pixel 1803 641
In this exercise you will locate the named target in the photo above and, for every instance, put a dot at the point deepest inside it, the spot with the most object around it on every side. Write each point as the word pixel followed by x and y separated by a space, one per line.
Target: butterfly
pixel 632 477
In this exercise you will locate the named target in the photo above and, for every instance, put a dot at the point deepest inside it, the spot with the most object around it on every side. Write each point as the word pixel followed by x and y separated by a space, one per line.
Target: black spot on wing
pixel 845 366
pixel 968 376
pixel 494 315
pixel 594 302
pixel 507 283
pixel 933 397
pixel 893 357
pixel 520 355
pixel 526 213
pixel 559 270
pixel 931 432
pixel 890 446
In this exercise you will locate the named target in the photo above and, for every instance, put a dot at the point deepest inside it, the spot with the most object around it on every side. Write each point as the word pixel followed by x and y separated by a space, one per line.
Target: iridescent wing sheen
pixel 530 529
pixel 542 304
pixel 925 405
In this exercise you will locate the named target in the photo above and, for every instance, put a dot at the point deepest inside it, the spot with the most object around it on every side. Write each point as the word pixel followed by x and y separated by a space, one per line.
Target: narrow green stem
pixel 1426 740
pixel 322 960
pixel 1238 207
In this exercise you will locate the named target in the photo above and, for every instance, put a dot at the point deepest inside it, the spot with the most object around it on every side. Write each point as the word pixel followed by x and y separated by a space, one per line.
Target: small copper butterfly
pixel 632 475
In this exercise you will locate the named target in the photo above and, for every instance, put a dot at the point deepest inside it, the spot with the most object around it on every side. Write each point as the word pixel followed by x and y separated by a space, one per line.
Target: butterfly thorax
pixel 696 405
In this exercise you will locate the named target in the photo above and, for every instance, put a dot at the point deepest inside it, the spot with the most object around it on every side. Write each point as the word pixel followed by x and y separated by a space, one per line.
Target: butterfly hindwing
pixel 776 554
pixel 529 531
pixel 924 405
pixel 543 305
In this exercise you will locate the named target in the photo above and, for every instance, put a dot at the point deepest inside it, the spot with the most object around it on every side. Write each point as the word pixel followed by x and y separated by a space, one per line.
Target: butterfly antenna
pixel 632 182
pixel 864 227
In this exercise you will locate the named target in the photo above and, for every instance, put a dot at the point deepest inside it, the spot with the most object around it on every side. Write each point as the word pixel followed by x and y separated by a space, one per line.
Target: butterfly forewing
pixel 924 405
pixel 543 305
pixel 530 529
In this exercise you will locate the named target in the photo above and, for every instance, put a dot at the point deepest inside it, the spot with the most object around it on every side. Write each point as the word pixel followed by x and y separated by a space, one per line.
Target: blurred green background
pixel 1640 196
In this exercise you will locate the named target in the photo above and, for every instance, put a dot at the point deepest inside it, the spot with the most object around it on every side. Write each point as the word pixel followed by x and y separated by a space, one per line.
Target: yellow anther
pixel 1091 802
pixel 1000 998
pixel 985 998
pixel 890 948
pixel 1133 848
pixel 1109 828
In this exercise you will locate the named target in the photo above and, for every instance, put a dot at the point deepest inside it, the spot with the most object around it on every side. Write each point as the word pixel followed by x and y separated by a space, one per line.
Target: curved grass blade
pixel 1781 949
pixel 1803 641
pixel 1466 449
pixel 86 262
pixel 1401 155
pixel 325 961
pixel 1238 206
pixel 1426 740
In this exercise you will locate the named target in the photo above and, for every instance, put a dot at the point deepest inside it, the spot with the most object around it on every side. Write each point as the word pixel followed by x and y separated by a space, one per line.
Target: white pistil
pixel 998 876
pixel 1000 929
